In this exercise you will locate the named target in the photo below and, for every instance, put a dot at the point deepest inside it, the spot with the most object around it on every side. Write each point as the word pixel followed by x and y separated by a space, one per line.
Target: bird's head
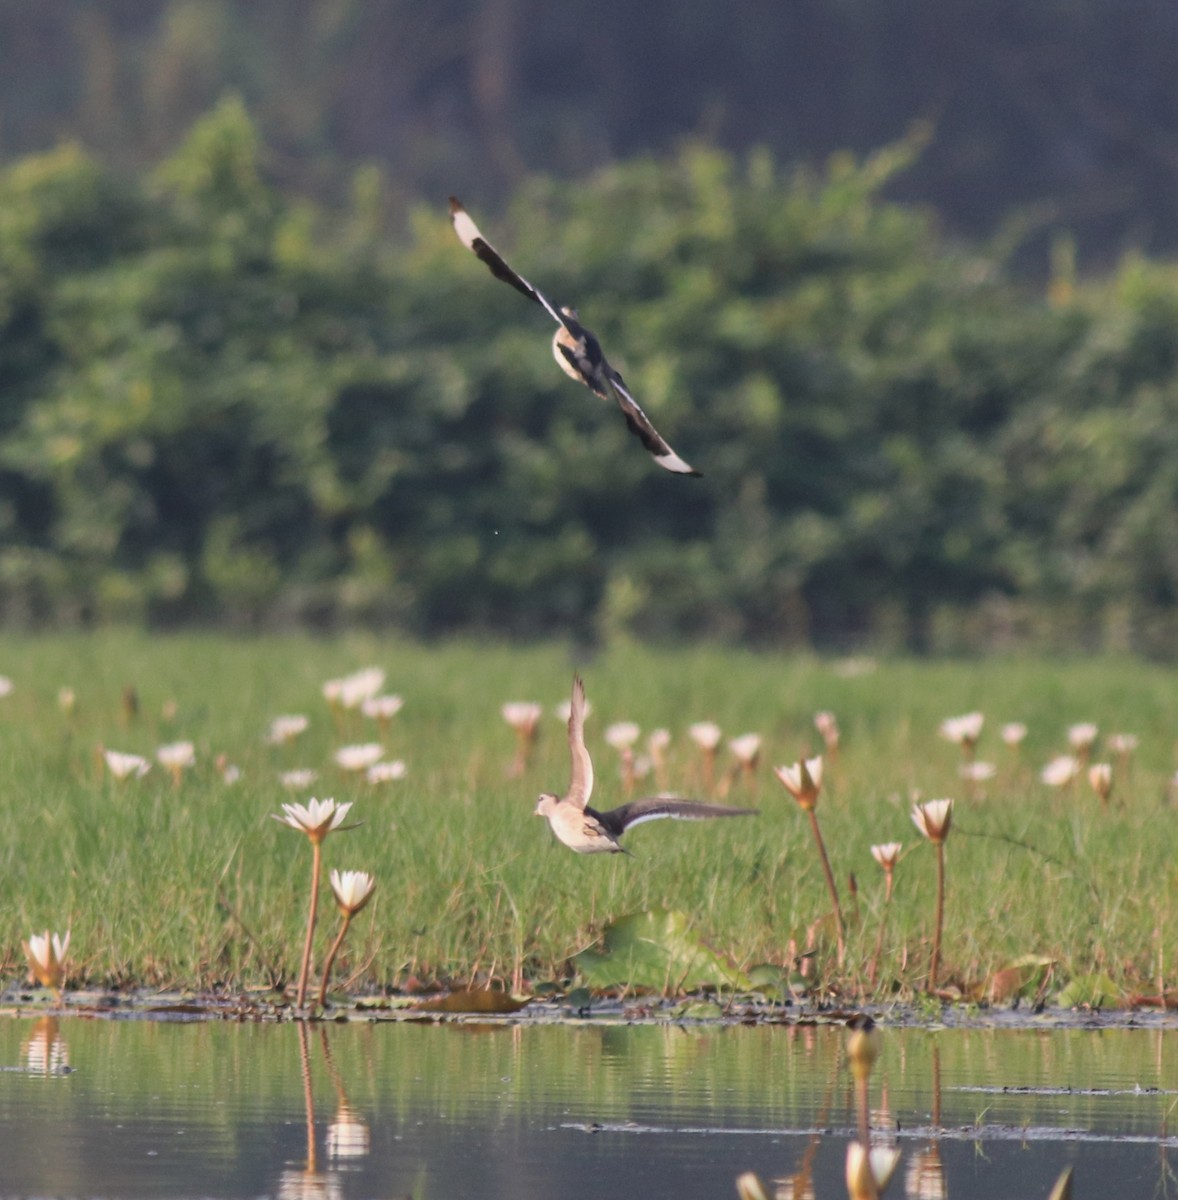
pixel 546 803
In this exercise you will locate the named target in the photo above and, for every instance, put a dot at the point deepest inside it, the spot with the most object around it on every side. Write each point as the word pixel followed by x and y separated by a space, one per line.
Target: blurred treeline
pixel 1065 109
pixel 220 403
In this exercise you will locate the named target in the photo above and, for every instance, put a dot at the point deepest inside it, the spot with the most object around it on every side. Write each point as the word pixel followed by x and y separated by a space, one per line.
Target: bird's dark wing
pixel 641 426
pixel 473 240
pixel 656 808
pixel 581 780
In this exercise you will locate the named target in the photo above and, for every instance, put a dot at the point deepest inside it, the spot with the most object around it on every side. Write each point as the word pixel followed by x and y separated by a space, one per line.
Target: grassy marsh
pixel 160 884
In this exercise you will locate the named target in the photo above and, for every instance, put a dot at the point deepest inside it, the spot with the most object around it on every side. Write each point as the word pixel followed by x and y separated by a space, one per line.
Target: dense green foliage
pixel 222 404
pixel 194 884
pixel 1064 109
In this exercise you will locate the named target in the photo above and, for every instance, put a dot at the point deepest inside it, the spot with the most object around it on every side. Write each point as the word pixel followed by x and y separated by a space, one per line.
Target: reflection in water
pixel 925 1176
pixel 348 1137
pixel 149 1111
pixel 46 1051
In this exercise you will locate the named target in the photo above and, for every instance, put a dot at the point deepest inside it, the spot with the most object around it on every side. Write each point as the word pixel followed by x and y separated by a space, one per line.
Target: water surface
pixel 130 1109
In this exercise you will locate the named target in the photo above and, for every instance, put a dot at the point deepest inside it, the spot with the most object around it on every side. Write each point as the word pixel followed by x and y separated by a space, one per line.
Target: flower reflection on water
pixel 46 1052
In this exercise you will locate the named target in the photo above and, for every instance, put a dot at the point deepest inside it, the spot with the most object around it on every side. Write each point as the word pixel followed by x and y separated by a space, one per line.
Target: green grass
pixel 471 884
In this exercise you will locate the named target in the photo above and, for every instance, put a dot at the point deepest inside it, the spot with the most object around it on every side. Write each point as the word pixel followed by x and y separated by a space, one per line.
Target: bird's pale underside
pixel 576 350
pixel 588 831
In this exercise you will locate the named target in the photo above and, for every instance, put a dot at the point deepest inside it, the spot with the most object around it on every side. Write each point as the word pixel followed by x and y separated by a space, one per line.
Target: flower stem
pixel 339 941
pixel 834 895
pixel 306 967
pixel 873 970
pixel 934 966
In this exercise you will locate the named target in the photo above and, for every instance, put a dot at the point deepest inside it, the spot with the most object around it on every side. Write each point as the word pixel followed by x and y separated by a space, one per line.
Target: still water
pixel 130 1109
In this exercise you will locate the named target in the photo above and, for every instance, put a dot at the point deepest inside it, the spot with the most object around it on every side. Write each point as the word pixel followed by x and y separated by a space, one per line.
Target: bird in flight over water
pixel 577 352
pixel 588 831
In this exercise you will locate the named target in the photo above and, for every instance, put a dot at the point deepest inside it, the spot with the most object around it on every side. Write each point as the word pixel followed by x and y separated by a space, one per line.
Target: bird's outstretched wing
pixel 641 426
pixel 471 237
pixel 581 780
pixel 656 808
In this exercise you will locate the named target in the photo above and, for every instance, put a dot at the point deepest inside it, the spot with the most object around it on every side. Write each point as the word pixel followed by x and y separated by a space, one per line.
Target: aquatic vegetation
pixel 46 957
pixel 934 818
pixel 473 894
pixel 524 717
pixel 316 819
pixel 803 781
pixel 352 891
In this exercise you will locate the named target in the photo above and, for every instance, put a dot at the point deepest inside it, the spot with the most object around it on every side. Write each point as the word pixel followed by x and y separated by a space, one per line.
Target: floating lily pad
pixel 473 1001
pixel 656 951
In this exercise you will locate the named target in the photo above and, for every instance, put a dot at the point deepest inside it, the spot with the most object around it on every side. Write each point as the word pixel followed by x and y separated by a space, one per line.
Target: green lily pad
pixel 1090 991
pixel 655 951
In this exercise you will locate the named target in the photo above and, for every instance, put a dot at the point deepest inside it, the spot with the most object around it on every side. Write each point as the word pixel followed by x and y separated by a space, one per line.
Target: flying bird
pixel 588 831
pixel 577 351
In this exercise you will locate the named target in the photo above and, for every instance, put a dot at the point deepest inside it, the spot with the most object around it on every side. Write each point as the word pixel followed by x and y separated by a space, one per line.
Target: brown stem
pixel 306 967
pixel 873 970
pixel 339 941
pixel 834 895
pixel 934 966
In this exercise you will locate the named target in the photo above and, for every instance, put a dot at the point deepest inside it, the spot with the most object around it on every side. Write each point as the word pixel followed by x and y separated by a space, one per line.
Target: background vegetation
pixel 222 403
pixel 1064 110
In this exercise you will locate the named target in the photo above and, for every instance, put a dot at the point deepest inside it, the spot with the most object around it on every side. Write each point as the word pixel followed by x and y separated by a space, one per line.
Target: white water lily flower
pixel 933 818
pixel 964 730
pixel 316 818
pixel 705 734
pixel 286 728
pixel 622 734
pixel 1060 771
pixel 1013 732
pixel 353 890
pixel 1100 779
pixel 299 779
pixel 360 686
pixel 658 741
pixel 358 758
pixel 887 854
pixel 5 686
pixel 828 728
pixel 521 715
pixel 46 957
pixel 176 755
pixel 1123 743
pixel 382 708
pixel 123 766
pixel 746 749
pixel 1081 736
pixel 386 772
pixel 977 772
pixel 803 780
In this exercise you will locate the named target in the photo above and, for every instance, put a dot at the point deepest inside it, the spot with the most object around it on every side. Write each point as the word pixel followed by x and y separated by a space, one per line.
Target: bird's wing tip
pixel 672 462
